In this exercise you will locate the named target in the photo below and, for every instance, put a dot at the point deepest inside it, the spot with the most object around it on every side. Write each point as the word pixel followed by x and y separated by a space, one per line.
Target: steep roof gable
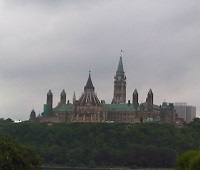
pixel 120 68
pixel 89 84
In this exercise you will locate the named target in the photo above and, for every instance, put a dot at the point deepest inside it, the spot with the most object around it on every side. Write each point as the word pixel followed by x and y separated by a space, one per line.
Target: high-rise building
pixel 184 111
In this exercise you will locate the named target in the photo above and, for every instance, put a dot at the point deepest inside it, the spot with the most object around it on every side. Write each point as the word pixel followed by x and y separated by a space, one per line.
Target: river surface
pixel 69 168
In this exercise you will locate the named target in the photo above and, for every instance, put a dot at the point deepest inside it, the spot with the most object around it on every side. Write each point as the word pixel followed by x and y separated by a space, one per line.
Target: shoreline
pixel 86 168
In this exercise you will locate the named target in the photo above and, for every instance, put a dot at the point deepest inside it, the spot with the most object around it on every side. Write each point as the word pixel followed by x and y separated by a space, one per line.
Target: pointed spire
pixel 50 99
pixel 74 98
pixel 113 101
pixel 120 68
pixel 150 100
pixel 49 92
pixel 150 92
pixel 135 91
pixel 135 99
pixel 63 92
pixel 89 85
pixel 32 116
pixel 63 97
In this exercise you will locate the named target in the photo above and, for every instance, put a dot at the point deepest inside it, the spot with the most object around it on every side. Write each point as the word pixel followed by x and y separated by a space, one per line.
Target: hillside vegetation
pixel 106 144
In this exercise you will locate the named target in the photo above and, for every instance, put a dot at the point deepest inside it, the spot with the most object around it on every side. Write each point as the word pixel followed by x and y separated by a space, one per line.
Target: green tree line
pixel 106 144
pixel 14 155
pixel 189 160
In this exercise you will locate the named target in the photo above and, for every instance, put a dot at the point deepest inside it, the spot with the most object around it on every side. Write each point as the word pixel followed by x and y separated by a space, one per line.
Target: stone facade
pixel 119 85
pixel 88 107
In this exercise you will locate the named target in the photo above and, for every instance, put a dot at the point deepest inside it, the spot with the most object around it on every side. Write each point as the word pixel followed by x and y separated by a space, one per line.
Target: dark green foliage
pixel 6 120
pixel 195 124
pixel 189 160
pixel 16 156
pixel 195 162
pixel 105 144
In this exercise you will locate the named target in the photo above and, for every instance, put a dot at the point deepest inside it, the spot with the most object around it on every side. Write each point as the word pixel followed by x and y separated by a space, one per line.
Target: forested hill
pixel 106 144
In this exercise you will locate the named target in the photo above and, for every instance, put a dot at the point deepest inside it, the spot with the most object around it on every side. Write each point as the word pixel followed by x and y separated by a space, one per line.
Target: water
pixel 69 168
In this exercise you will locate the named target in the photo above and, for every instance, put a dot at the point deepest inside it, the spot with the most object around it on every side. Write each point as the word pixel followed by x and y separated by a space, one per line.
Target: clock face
pixel 119 77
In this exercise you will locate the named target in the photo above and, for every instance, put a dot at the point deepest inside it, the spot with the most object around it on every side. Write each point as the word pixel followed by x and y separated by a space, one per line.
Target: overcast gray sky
pixel 52 44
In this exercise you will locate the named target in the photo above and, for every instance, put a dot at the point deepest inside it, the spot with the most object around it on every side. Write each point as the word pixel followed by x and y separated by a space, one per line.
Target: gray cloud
pixel 53 45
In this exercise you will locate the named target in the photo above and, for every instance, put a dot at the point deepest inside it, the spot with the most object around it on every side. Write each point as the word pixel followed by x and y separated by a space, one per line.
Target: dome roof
pixel 89 97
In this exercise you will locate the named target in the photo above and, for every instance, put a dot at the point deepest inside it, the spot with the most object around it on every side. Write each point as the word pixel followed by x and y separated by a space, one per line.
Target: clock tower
pixel 119 84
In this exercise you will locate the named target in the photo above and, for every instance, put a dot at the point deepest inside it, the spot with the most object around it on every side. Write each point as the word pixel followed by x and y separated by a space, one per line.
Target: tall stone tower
pixel 149 100
pixel 50 99
pixel 150 97
pixel 119 84
pixel 63 97
pixel 135 99
pixel 74 98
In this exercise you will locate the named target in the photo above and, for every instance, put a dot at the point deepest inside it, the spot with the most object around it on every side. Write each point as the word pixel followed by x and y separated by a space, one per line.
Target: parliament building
pixel 88 108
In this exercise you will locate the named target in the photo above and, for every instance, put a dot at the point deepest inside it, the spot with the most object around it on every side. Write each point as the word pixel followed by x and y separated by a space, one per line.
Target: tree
pixel 105 144
pixel 17 156
pixel 189 160
pixel 9 120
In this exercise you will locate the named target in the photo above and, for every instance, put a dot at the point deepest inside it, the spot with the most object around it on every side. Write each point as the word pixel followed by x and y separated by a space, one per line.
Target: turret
pixel 150 99
pixel 50 99
pixel 63 97
pixel 32 116
pixel 74 98
pixel 135 98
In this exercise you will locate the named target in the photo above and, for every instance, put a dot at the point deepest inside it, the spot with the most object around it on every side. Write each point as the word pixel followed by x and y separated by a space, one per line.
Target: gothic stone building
pixel 88 107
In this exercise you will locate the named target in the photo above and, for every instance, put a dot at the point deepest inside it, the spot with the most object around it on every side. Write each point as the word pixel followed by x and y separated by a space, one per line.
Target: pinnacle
pixel 120 68
pixel 49 92
pixel 135 91
pixel 63 92
pixel 89 85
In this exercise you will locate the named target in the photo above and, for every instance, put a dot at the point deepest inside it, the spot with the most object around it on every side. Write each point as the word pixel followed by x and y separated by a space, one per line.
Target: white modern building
pixel 187 112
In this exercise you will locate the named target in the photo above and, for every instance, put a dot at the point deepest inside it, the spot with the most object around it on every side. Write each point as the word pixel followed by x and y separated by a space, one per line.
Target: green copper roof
pixel 64 107
pixel 144 106
pixel 119 107
pixel 46 111
pixel 128 107
pixel 120 68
